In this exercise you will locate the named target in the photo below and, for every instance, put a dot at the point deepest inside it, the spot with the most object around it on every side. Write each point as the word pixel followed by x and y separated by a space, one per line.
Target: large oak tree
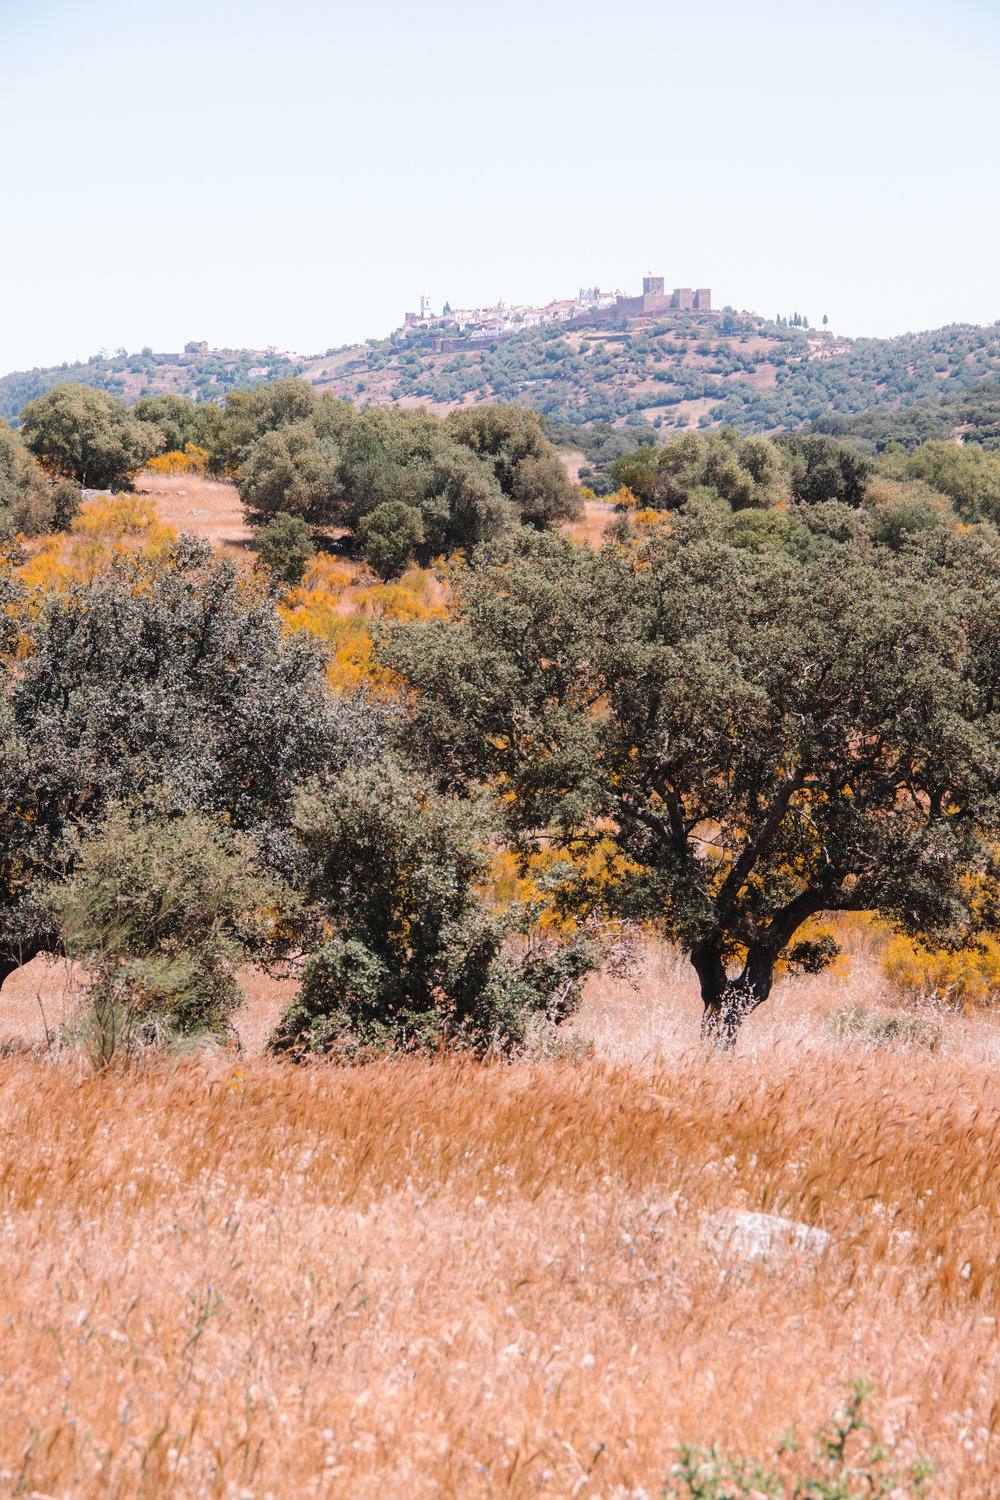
pixel 765 739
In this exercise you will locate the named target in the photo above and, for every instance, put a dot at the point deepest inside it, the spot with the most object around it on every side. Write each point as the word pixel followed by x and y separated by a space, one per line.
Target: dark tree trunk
pixel 728 1001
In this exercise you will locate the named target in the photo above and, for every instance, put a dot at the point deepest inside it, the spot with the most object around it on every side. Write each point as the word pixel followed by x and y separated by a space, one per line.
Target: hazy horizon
pixel 296 176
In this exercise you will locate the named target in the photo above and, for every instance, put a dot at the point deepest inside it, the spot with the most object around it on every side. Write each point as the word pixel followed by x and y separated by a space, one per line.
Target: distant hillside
pixel 680 371
pixel 676 372
pixel 205 377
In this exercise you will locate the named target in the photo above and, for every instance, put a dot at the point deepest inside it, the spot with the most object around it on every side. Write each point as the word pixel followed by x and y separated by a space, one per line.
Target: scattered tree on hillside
pixel 181 421
pixel 743 472
pixel 284 547
pixel 820 469
pixel 526 465
pixel 969 475
pixel 87 436
pixel 392 454
pixel 291 471
pixel 250 415
pixel 389 535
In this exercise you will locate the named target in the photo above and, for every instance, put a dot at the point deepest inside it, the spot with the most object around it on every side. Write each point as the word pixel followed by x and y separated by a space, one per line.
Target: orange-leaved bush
pixel 943 977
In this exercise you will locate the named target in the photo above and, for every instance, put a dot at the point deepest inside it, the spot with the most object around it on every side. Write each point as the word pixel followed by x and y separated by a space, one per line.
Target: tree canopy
pixel 172 688
pixel 768 738
pixel 87 436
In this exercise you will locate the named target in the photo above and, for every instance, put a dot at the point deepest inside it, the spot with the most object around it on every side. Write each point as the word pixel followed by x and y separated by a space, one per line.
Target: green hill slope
pixel 676 372
pixel 205 377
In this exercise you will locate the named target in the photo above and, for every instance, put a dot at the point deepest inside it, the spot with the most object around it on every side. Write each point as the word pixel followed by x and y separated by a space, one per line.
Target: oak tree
pixel 85 435
pixel 765 739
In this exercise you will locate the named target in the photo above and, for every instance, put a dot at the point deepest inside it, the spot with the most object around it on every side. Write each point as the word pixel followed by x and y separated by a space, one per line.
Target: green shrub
pixel 158 914
pixel 26 501
pixel 65 499
pixel 860 1024
pixel 847 1462
pixel 416 959
pixel 285 546
pixel 389 535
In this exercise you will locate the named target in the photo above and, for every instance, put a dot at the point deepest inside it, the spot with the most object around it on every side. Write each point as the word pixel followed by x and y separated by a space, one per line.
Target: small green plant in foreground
pixel 848 1463
pixel 860 1024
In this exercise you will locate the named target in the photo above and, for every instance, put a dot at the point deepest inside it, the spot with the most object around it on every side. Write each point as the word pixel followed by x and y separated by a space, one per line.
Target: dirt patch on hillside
pixel 573 463
pixel 207 508
pixel 590 527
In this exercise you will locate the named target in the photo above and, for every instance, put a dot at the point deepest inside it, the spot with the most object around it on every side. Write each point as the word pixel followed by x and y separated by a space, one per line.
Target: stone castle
pixel 590 306
pixel 656 300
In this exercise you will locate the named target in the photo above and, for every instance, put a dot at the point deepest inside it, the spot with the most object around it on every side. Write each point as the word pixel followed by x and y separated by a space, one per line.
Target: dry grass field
pixel 208 508
pixel 228 1278
pixel 225 1277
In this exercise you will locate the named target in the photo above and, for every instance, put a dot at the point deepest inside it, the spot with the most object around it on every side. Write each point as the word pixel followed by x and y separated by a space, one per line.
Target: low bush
pixel 389 535
pixel 863 1025
pixel 416 958
pixel 159 914
pixel 847 1462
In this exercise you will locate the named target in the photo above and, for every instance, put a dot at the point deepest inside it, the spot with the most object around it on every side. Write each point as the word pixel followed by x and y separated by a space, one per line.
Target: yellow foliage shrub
pixel 159 540
pixel 330 605
pixel 46 570
pixel 193 460
pixel 623 498
pixel 651 517
pixel 944 978
pixel 97 536
pixel 111 519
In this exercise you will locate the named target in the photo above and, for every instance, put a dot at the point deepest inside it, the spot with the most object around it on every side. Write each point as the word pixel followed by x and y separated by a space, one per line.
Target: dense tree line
pixel 298 455
pixel 770 694
pixel 204 377
pixel 605 374
pixel 645 373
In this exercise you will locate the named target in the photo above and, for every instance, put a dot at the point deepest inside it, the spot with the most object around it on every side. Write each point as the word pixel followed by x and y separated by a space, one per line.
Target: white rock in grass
pixel 762 1237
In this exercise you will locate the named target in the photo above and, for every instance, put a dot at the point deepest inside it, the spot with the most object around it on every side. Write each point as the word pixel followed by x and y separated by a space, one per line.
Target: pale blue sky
pixel 297 173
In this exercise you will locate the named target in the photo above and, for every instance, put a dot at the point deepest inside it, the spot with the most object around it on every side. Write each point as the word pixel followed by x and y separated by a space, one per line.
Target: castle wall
pixel 654 302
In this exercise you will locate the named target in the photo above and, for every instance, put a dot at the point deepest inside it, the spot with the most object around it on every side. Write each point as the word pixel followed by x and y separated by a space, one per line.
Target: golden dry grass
pixel 204 507
pixel 226 1277
pixel 591 525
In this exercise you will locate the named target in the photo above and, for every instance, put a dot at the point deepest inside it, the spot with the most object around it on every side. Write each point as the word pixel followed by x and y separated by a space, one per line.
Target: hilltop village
pixel 590 305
